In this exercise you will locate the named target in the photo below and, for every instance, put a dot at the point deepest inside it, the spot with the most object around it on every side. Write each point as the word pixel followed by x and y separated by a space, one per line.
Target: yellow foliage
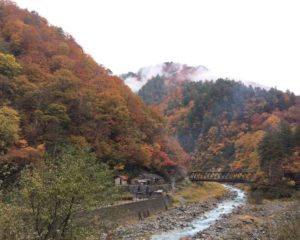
pixel 8 65
pixel 199 192
pixel 273 121
pixel 246 149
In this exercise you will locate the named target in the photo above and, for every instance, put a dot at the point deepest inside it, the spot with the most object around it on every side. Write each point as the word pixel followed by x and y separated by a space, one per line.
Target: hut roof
pixel 123 177
pixel 150 176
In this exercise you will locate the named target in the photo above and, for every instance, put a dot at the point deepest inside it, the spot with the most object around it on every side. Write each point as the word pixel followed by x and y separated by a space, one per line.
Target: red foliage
pixel 62 92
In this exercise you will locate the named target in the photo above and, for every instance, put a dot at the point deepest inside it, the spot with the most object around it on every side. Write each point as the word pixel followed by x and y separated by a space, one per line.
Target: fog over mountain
pixel 174 73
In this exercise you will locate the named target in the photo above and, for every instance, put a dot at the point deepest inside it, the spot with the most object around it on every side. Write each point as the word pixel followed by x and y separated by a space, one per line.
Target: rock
pixel 180 217
pixel 248 221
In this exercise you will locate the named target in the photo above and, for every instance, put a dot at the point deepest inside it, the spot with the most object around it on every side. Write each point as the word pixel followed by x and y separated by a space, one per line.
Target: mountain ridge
pixel 223 123
pixel 174 73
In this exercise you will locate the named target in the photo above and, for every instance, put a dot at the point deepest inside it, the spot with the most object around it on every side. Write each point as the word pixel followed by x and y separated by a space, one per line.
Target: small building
pixel 148 179
pixel 121 180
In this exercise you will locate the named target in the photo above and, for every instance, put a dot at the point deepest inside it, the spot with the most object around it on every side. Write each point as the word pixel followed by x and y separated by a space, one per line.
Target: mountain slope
pixel 222 123
pixel 62 95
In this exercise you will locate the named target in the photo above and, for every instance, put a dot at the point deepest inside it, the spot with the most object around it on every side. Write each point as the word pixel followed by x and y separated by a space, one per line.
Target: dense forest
pixel 67 125
pixel 227 125
pixel 52 93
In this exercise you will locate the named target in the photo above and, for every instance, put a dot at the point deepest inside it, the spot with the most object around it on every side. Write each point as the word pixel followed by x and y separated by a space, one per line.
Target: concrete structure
pixel 128 212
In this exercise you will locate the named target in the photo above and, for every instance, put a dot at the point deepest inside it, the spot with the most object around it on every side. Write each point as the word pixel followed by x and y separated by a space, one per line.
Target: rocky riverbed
pixel 249 221
pixel 253 221
pixel 176 218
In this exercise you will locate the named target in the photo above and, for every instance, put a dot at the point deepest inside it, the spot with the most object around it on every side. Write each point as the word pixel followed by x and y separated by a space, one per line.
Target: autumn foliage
pixel 61 94
pixel 224 123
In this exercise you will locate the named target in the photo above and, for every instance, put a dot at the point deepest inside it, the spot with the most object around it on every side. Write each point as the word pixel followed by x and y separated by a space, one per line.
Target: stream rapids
pixel 209 218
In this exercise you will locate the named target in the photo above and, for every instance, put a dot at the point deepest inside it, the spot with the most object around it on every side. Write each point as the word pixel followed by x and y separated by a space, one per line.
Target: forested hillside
pixel 227 125
pixel 53 93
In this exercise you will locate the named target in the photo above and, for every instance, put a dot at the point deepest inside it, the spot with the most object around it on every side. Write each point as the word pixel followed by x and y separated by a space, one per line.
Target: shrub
pixel 49 196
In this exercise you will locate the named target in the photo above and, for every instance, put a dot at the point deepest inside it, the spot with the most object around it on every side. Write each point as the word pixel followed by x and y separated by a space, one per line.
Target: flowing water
pixel 209 218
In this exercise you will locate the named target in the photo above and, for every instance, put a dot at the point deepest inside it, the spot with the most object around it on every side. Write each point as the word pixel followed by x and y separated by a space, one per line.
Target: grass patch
pixel 198 192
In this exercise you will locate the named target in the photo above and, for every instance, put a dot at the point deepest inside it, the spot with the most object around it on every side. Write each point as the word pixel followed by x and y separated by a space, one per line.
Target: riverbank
pixel 191 202
pixel 275 219
pixel 207 219
pixel 191 192
pixel 228 217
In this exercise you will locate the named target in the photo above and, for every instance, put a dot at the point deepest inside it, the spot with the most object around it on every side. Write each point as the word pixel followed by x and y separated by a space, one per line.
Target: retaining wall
pixel 129 211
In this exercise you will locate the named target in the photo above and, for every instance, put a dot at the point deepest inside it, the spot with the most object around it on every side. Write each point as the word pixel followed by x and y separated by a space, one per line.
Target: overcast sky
pixel 255 40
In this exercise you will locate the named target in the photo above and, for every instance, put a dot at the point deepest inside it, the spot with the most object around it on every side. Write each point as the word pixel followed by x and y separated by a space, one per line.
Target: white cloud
pixel 134 83
pixel 151 71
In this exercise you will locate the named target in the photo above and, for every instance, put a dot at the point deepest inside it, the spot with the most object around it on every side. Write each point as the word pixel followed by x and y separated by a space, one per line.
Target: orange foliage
pixel 63 95
pixel 23 156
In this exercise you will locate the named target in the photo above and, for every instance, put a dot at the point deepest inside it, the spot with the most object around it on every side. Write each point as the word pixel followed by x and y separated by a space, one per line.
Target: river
pixel 209 218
